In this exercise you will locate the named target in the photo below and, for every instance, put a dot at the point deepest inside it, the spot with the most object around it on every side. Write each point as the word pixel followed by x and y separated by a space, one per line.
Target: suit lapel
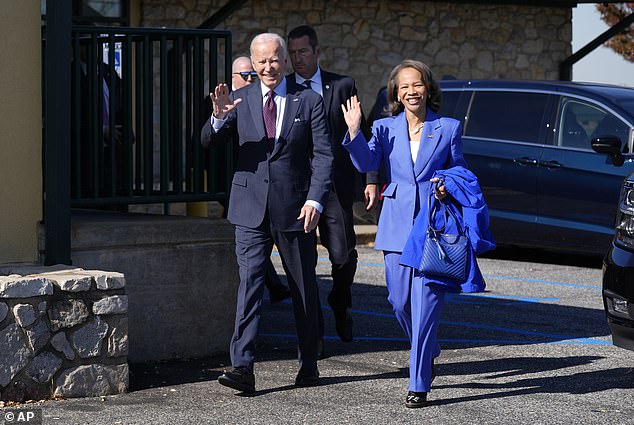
pixel 293 102
pixel 402 149
pixel 254 99
pixel 327 87
pixel 429 140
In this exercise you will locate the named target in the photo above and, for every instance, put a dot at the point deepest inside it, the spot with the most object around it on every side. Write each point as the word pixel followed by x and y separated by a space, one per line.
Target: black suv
pixel 618 272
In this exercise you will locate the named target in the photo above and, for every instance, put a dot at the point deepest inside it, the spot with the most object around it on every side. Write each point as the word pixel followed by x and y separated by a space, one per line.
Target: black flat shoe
pixel 415 400
pixel 240 378
pixel 305 379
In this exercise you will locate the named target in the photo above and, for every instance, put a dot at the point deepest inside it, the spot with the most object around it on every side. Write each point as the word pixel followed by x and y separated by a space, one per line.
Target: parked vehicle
pixel 550 157
pixel 618 272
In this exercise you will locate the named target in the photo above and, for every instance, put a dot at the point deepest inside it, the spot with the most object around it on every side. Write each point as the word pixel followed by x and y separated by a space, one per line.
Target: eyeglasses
pixel 246 74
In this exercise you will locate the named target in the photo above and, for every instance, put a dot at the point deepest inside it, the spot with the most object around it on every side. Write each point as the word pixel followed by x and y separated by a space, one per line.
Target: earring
pixel 399 98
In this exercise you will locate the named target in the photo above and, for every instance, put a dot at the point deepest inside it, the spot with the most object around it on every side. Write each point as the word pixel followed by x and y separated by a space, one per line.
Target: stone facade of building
pixel 365 39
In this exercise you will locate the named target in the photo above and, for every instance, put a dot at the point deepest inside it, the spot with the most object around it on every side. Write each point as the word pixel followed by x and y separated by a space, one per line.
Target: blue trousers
pixel 417 308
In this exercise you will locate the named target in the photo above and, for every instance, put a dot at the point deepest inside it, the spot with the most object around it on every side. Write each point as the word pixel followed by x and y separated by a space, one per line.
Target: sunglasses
pixel 246 74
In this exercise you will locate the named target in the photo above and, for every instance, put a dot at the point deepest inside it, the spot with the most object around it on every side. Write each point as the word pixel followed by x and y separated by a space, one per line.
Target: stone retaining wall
pixel 366 38
pixel 63 332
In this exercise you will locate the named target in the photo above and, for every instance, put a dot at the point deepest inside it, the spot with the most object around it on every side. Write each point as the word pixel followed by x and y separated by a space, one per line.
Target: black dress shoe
pixel 240 378
pixel 343 319
pixel 414 400
pixel 343 325
pixel 278 294
pixel 321 353
pixel 307 379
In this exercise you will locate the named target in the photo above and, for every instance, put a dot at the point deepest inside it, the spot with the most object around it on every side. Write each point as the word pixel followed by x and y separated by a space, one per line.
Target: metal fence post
pixel 57 132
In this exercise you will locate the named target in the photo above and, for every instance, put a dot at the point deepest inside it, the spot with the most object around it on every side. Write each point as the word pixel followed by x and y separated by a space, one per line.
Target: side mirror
pixel 610 145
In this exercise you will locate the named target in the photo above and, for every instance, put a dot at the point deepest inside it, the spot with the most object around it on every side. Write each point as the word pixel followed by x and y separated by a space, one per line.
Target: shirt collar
pixel 315 79
pixel 279 90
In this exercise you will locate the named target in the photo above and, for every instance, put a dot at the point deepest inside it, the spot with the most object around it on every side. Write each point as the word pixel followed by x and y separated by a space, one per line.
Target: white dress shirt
pixel 315 82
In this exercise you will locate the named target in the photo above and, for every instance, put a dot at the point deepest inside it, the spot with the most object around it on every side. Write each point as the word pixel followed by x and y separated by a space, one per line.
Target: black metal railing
pixel 137 107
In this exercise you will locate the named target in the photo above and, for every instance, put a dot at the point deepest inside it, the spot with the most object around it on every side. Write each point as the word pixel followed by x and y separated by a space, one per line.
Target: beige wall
pixel 366 38
pixel 20 130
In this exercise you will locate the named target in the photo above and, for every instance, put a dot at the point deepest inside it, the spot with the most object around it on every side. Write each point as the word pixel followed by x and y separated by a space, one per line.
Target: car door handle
pixel 526 161
pixel 551 164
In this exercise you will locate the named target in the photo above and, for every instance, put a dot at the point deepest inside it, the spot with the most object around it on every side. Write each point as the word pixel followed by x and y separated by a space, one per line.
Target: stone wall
pixel 181 278
pixel 63 332
pixel 365 39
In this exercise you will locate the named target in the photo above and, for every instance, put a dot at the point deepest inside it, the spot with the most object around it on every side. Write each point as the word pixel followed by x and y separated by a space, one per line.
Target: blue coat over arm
pixel 467 204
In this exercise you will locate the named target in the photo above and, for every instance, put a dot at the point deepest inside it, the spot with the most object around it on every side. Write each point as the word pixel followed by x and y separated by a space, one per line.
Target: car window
pixel 575 120
pixel 506 115
pixel 580 122
pixel 448 103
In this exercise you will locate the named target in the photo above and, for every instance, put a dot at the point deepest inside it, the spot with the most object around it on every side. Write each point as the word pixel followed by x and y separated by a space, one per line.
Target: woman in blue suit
pixel 410 146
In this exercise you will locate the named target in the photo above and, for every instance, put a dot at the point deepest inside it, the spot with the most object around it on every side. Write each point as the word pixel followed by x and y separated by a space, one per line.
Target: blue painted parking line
pixel 493 276
pixel 508 297
pixel 483 299
pixel 545 282
pixel 581 341
pixel 560 338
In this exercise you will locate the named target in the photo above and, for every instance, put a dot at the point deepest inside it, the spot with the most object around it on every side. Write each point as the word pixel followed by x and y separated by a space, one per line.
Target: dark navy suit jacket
pixel 299 168
pixel 336 90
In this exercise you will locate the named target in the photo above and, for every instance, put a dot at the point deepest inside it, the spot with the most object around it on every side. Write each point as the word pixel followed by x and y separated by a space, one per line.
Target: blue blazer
pixel 440 148
pixel 279 181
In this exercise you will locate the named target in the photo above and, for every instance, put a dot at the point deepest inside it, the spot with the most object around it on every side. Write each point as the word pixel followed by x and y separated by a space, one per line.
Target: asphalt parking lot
pixel 534 348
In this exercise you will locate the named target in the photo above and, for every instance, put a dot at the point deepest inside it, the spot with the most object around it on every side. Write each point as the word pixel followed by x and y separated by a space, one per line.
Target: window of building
pixel 98 12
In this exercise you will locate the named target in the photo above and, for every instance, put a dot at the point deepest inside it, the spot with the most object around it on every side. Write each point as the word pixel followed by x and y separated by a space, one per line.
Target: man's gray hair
pixel 267 37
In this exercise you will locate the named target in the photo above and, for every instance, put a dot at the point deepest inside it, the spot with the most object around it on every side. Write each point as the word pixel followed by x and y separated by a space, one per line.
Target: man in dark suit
pixel 99 114
pixel 275 198
pixel 336 226
pixel 242 74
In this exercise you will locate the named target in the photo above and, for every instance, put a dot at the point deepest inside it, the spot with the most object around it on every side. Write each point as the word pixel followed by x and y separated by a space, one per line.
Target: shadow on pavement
pixel 535 255
pixel 577 383
pixel 468 321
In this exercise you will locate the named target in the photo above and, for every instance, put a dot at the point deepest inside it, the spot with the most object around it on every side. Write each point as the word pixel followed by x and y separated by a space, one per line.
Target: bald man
pixel 242 73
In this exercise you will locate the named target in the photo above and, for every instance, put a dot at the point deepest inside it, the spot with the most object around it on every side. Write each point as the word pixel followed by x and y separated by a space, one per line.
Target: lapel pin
pixel 431 136
pixel 327 86
pixel 295 99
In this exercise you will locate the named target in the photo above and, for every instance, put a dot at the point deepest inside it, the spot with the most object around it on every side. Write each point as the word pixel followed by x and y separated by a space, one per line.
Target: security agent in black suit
pixel 100 113
pixel 336 226
pixel 275 198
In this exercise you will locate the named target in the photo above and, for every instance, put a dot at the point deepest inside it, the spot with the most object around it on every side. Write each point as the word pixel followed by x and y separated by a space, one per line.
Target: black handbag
pixel 444 255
